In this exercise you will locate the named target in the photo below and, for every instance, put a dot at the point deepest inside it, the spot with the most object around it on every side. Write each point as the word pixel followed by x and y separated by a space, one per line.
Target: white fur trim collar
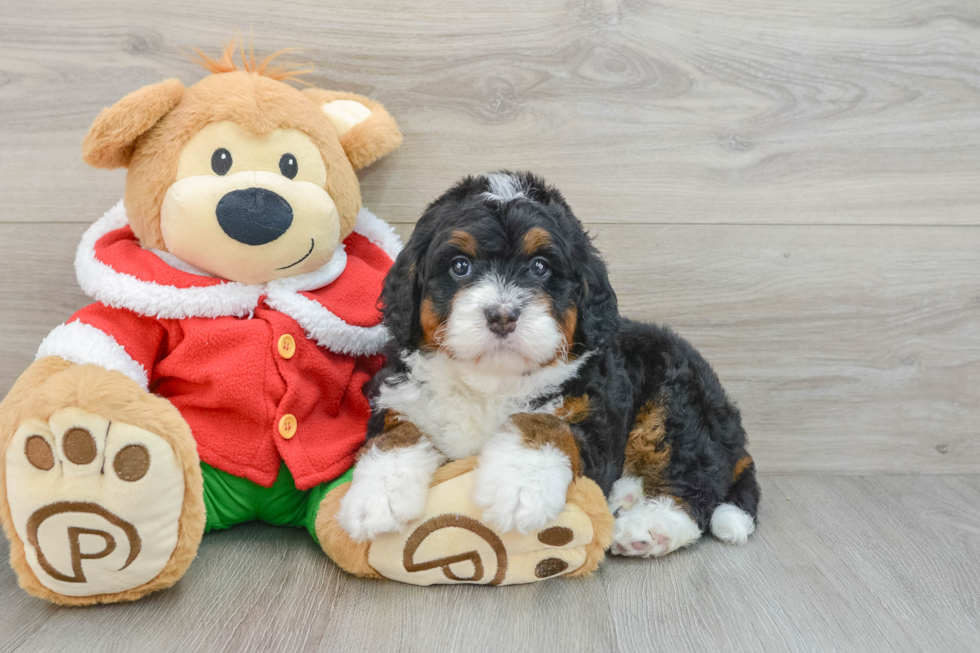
pixel 378 232
pixel 83 344
pixel 104 284
pixel 327 329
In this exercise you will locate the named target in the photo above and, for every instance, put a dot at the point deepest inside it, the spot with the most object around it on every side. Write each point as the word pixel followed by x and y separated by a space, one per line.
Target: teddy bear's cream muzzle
pixel 250 226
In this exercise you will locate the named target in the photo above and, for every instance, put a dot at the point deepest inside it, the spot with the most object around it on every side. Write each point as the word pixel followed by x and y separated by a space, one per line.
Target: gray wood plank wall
pixel 793 186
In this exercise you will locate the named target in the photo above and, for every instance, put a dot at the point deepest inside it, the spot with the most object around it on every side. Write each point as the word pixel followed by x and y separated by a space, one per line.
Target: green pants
pixel 231 500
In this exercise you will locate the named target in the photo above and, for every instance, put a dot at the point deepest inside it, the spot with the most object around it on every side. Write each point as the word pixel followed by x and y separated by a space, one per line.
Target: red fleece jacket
pixel 238 360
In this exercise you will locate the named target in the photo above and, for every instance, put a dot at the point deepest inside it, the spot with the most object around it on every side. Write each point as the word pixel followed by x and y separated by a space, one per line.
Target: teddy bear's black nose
pixel 254 216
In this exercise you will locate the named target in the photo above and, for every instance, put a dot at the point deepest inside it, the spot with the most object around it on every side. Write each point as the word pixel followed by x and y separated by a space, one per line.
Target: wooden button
pixel 287 346
pixel 287 426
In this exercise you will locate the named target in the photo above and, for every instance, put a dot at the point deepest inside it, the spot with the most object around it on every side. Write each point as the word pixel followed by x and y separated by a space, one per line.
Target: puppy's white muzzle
pixel 502 327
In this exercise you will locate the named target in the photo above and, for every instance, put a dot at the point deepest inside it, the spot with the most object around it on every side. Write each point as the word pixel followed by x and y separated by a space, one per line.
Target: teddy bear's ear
pixel 367 132
pixel 109 142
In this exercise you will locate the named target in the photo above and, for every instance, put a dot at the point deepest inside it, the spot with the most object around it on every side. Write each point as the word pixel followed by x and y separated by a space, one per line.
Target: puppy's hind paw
pixel 653 528
pixel 626 493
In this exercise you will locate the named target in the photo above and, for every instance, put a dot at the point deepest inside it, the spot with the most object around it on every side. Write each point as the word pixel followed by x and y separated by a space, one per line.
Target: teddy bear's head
pixel 241 174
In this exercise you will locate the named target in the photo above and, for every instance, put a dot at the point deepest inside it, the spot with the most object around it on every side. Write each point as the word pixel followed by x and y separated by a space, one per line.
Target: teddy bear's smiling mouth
pixel 305 256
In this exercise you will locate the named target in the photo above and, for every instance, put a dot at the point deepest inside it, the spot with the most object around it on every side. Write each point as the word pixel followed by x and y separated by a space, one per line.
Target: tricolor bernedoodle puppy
pixel 507 343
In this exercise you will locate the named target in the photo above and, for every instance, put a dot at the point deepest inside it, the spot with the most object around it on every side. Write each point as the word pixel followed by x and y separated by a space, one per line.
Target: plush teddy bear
pixel 219 376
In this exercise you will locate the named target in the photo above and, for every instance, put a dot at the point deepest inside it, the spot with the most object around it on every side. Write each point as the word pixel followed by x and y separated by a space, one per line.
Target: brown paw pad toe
pixel 556 536
pixel 550 567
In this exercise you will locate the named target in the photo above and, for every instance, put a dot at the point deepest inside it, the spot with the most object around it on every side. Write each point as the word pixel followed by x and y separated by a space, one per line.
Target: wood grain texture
pixel 849 349
pixel 839 564
pixel 671 112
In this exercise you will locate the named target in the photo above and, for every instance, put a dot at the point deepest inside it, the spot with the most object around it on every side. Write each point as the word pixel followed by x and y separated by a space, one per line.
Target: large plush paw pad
pixel 96 504
pixel 653 527
pixel 451 543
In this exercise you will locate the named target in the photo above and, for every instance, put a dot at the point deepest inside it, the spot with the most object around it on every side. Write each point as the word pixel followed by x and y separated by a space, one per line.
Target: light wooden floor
pixel 795 186
pixel 881 563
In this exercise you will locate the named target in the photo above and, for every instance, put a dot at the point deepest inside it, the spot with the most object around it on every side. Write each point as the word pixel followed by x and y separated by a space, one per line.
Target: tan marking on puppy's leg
pixel 536 239
pixel 464 240
pixel 397 433
pixel 647 454
pixel 574 409
pixel 392 419
pixel 391 480
pixel 741 466
pixel 402 434
pixel 538 430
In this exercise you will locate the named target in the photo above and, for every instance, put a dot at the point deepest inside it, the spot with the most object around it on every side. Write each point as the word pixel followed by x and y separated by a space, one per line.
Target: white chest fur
pixel 458 407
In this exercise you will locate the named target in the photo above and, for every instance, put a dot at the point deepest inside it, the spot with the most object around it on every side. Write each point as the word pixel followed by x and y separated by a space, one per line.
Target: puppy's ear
pixel 598 319
pixel 367 132
pixel 401 296
pixel 109 142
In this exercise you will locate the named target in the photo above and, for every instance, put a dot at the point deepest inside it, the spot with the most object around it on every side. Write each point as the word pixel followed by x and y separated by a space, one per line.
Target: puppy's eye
pixel 288 166
pixel 460 267
pixel 221 161
pixel 540 268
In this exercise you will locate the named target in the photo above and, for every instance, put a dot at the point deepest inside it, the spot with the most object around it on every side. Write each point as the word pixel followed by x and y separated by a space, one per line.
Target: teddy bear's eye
pixel 288 166
pixel 221 161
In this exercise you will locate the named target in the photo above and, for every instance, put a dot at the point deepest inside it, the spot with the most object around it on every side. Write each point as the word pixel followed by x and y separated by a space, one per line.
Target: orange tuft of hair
pixel 226 64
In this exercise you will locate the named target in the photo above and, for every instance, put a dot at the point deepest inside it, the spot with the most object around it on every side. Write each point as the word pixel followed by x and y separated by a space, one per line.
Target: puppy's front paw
pixel 520 488
pixel 368 510
pixel 388 491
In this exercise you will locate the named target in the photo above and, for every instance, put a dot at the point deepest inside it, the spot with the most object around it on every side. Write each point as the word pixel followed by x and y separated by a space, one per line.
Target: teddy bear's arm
pixel 112 338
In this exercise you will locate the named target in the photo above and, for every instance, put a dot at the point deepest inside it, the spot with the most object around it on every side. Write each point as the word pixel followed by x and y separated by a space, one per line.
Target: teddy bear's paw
pixel 452 543
pixel 97 504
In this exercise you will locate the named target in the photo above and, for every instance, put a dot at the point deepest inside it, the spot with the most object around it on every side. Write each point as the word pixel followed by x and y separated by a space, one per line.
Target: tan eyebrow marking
pixel 536 239
pixel 464 241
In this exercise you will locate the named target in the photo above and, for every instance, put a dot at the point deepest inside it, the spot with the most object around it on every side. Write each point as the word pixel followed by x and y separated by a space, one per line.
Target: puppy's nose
pixel 502 319
pixel 254 216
